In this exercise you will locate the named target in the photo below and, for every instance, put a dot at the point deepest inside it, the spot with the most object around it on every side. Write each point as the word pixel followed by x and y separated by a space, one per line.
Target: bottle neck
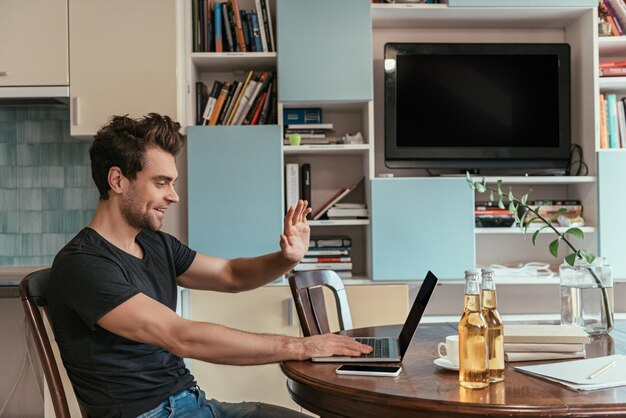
pixel 488 283
pixel 471 285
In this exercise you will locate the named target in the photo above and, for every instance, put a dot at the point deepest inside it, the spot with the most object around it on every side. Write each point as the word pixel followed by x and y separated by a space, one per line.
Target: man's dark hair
pixel 123 143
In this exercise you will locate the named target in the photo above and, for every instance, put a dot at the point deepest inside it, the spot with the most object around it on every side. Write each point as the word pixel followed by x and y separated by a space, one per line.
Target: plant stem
pixel 605 297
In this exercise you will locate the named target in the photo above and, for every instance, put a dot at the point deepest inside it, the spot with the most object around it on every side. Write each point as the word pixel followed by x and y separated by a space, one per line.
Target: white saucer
pixel 445 364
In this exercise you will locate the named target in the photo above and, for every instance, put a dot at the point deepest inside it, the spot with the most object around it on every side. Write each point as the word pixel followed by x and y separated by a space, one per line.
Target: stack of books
pixel 489 215
pixel 543 342
pixel 311 133
pixel 562 212
pixel 348 211
pixel 331 252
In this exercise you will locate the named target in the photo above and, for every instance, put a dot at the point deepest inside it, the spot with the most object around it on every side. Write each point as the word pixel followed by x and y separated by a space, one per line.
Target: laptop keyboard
pixel 380 347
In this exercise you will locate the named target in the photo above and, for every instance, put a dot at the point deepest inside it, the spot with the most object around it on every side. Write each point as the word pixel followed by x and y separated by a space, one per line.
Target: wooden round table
pixel 424 390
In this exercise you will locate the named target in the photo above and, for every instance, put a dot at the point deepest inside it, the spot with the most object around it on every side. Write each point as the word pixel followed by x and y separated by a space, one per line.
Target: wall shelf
pixel 516 230
pixel 227 61
pixel 611 45
pixel 612 83
pixel 538 179
pixel 328 149
pixel 337 222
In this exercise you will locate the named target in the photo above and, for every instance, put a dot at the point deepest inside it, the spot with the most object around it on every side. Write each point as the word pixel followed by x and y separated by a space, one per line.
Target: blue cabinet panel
pixel 611 203
pixel 421 224
pixel 235 189
pixel 325 50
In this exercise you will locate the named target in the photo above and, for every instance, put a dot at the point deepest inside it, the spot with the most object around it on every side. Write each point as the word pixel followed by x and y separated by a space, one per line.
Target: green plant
pixel 525 214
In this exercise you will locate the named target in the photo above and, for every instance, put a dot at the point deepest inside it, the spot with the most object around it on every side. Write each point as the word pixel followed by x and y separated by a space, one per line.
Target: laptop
pixel 392 349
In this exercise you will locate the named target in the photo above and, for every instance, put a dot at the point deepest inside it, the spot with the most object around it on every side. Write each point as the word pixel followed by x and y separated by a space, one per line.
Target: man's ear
pixel 117 181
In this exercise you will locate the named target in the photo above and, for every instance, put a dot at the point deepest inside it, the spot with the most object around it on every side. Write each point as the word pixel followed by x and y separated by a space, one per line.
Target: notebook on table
pixel 392 349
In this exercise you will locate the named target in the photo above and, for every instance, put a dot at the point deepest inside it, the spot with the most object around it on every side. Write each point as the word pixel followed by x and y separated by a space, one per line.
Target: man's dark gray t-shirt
pixel 114 376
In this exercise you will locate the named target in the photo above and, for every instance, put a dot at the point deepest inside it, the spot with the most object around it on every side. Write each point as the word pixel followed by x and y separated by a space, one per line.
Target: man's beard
pixel 132 214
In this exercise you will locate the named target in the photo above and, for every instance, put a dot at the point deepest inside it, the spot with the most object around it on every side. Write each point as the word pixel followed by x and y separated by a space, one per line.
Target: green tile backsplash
pixel 46 191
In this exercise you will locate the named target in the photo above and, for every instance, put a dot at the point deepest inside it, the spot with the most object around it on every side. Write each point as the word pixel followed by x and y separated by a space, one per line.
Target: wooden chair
pixel 306 288
pixel 33 293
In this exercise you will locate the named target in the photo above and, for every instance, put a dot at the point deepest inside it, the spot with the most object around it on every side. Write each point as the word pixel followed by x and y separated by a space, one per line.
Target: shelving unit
pixel 440 23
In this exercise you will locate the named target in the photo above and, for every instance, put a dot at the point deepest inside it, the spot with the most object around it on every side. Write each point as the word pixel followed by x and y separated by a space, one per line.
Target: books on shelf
pixel 340 194
pixel 223 26
pixel 339 212
pixel 246 102
pixel 305 185
pixel 324 241
pixel 302 115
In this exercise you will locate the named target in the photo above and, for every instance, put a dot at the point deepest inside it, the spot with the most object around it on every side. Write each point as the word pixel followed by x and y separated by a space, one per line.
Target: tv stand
pixel 494 172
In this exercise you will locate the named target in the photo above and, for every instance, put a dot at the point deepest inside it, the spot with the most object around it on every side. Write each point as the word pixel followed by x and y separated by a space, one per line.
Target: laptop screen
pixel 413 320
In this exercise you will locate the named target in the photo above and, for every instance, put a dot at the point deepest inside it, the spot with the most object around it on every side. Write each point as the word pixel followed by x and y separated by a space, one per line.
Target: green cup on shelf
pixel 294 139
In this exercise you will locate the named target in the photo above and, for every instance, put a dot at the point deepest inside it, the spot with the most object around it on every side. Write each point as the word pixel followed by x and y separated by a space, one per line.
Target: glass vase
pixel 587 295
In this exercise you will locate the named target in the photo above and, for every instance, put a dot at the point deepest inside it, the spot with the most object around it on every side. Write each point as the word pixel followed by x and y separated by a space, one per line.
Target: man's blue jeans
pixel 192 403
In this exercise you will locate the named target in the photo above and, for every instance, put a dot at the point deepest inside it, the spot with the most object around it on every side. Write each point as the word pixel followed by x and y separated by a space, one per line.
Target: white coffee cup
pixel 450 350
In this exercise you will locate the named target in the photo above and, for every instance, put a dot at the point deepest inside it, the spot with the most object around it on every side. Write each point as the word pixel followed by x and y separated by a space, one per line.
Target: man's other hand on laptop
pixel 327 345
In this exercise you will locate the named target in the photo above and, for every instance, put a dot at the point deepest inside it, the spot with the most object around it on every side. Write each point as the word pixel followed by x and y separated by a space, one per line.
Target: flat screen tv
pixel 477 106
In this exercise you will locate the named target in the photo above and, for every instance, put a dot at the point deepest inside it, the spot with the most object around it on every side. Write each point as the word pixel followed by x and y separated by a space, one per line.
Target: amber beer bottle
pixel 473 367
pixel 495 331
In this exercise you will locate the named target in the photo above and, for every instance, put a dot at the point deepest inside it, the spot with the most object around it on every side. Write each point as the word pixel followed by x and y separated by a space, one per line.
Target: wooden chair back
pixel 33 290
pixel 307 290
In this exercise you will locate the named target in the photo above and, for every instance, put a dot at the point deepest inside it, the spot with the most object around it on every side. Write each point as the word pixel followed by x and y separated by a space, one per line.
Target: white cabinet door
pixel 33 43
pixel 122 60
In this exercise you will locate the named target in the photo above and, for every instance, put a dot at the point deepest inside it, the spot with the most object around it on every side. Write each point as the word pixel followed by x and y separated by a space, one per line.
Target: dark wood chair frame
pixel 306 288
pixel 33 294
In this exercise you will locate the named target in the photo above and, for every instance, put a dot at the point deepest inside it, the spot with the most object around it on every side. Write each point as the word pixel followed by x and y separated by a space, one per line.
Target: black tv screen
pixel 473 106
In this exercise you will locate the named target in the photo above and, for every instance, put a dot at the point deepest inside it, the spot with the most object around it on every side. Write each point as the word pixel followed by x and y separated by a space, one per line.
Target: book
pixel 256 32
pixel 588 374
pixel 613 72
pixel 621 122
pixel 267 22
pixel 327 251
pixel 330 241
pixel 534 356
pixel 543 347
pixel 604 136
pixel 545 334
pixel 347 213
pixel 612 117
pixel 340 194
pixel 258 109
pixel 227 29
pixel 292 185
pixel 208 27
pixel 265 111
pixel 322 126
pixel 326 259
pixel 302 115
pixel 618 14
pixel 202 96
pixel 614 63
pixel 322 266
pixel 260 18
pixel 218 22
pixel 210 104
pixel 234 5
pixel 305 188
pixel 219 103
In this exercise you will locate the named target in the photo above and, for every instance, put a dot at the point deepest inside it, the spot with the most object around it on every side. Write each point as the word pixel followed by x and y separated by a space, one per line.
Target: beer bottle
pixel 495 336
pixel 473 356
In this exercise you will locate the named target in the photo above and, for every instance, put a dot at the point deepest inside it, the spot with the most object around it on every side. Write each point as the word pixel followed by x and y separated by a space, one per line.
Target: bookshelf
pixel 440 23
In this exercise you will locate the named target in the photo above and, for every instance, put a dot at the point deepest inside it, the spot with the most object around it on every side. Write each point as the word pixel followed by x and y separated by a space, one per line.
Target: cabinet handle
pixel 290 307
pixel 75 111
pixel 3 74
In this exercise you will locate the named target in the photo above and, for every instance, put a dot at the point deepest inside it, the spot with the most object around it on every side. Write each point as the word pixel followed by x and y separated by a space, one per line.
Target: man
pixel 113 290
